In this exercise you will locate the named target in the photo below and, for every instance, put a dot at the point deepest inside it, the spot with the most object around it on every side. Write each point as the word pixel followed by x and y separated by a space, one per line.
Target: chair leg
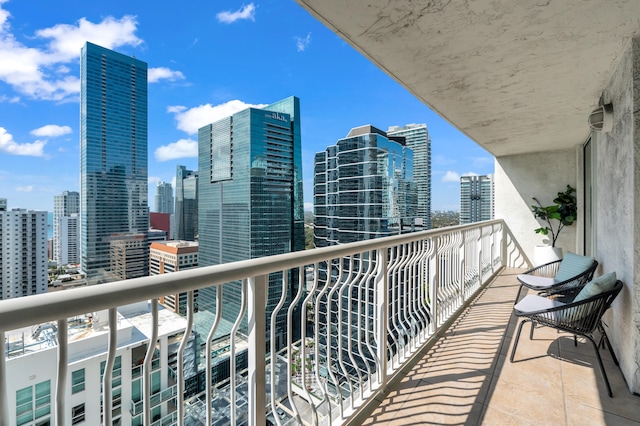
pixel 515 344
pixel 518 295
pixel 604 373
pixel 605 341
pixel 533 327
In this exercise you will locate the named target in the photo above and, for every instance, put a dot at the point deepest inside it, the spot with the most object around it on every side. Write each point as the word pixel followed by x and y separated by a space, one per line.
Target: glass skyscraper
pixel 186 212
pixel 113 160
pixel 363 188
pixel 417 138
pixel 476 198
pixel 250 196
pixel 164 198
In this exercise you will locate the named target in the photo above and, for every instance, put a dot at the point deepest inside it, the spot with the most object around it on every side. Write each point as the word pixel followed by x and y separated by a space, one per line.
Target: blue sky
pixel 206 60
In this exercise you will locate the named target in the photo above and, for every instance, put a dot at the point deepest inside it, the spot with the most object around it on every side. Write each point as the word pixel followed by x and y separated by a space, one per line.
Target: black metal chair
pixel 581 317
pixel 544 278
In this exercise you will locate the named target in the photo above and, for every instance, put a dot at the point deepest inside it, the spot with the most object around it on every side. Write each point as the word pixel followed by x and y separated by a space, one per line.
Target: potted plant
pixel 555 217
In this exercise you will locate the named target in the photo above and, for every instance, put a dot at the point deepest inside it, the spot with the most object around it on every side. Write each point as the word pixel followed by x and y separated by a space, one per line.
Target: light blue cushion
pixel 572 264
pixel 596 286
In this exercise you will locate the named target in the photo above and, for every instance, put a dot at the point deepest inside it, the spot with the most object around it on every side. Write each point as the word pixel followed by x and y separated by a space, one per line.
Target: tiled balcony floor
pixel 466 377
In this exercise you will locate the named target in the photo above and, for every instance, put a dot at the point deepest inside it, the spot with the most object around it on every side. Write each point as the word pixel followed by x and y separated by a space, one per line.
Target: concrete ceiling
pixel 516 76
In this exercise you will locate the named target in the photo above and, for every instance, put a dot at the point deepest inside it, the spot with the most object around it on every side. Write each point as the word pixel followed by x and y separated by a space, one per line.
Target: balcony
pixel 394 329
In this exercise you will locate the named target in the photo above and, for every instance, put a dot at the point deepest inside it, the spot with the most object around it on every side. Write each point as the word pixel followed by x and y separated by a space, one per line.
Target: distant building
pixel 250 197
pixel 164 198
pixel 363 188
pixel 186 210
pixel 476 198
pixel 417 138
pixel 23 252
pixel 157 235
pixel 113 153
pixel 161 221
pixel 129 256
pixel 173 256
pixel 66 228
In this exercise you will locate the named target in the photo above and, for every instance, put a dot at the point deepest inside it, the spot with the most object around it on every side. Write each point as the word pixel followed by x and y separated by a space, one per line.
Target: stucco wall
pixel 519 178
pixel 617 169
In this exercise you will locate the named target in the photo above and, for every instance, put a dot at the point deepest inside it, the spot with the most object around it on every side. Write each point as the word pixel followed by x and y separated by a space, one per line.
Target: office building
pixel 172 256
pixel 113 158
pixel 23 252
pixel 476 198
pixel 417 138
pixel 250 195
pixel 363 188
pixel 66 228
pixel 31 359
pixel 164 198
pixel 160 221
pixel 186 207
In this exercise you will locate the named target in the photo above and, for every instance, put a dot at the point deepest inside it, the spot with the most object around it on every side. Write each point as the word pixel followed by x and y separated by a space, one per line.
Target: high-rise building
pixel 417 138
pixel 363 188
pixel 164 198
pixel 173 256
pixel 476 198
pixel 113 157
pixel 250 196
pixel 23 252
pixel 186 212
pixel 66 227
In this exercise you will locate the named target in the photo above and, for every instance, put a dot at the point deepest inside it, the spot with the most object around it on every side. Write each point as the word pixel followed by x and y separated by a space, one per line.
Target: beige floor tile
pixel 583 415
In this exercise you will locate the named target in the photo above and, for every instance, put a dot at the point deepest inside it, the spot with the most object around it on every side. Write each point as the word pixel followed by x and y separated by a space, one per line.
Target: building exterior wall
pixel 164 198
pixel 173 256
pixel 113 155
pixel 250 201
pixel 519 178
pixel 476 198
pixel 617 194
pixel 23 253
pixel 417 138
pixel 66 235
pixel 186 205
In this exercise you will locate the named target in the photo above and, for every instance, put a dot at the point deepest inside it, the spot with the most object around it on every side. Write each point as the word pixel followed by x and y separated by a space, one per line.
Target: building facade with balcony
pixel 23 252
pixel 66 228
pixel 476 198
pixel 113 156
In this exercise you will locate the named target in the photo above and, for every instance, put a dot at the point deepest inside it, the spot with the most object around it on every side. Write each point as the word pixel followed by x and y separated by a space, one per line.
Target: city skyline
pixel 39 110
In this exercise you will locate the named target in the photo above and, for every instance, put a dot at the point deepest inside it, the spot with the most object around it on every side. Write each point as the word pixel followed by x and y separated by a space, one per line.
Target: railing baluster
pixel 181 348
pixel 272 347
pixel 4 393
pixel 382 313
pixel 63 349
pixel 292 306
pixel 232 353
pixel 257 323
pixel 209 360
pixel 146 366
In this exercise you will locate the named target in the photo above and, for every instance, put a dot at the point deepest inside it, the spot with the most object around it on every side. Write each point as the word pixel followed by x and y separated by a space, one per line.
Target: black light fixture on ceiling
pixel 601 118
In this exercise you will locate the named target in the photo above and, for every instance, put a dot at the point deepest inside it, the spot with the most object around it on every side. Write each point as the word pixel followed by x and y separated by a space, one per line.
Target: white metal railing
pixel 359 311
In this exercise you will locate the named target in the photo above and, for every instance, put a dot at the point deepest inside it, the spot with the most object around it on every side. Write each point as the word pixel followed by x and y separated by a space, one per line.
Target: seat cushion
pixel 572 265
pixel 535 282
pixel 596 286
pixel 533 303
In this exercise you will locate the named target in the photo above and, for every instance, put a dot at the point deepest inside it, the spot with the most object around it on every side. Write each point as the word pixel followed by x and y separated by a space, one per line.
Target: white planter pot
pixel 546 254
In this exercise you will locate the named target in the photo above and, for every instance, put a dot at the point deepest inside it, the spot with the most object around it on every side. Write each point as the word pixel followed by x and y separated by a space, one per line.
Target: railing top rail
pixel 37 309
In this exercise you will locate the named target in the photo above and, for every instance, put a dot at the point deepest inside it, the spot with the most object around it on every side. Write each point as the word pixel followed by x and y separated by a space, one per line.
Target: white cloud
pixel 11 100
pixel 181 149
pixel 51 131
pixel 470 174
pixel 28 188
pixel 308 206
pixel 156 74
pixel 450 176
pixel 245 12
pixel 190 120
pixel 41 73
pixel 303 43
pixel 153 179
pixel 8 145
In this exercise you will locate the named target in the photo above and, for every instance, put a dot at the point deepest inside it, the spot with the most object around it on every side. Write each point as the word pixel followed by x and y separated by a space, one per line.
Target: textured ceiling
pixel 516 76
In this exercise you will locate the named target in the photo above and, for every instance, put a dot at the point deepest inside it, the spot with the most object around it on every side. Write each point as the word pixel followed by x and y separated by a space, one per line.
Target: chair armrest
pixel 548 270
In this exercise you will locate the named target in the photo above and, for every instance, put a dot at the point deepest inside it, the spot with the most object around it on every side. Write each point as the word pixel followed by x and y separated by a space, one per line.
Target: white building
pixel 476 198
pixel 23 252
pixel 172 256
pixel 66 235
pixel 32 364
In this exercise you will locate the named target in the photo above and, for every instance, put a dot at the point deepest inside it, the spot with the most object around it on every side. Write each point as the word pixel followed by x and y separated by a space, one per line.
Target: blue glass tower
pixel 250 195
pixel 113 161
pixel 186 215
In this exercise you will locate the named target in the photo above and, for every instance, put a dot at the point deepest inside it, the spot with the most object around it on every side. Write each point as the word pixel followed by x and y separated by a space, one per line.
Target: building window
pixel 77 414
pixel 77 381
pixel 28 408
